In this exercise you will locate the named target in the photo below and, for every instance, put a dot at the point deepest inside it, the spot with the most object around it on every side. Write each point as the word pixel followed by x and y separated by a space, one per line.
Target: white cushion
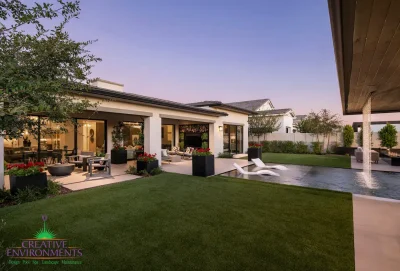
pixel 164 152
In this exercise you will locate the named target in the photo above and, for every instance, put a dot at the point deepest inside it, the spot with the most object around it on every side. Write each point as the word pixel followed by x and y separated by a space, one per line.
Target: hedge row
pixel 291 147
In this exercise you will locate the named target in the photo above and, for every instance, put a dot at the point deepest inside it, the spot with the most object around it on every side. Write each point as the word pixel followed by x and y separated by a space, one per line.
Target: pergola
pixel 366 37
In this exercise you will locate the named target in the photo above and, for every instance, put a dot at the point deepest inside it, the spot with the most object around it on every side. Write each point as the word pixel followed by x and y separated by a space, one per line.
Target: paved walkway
pixel 381 166
pixel 376 234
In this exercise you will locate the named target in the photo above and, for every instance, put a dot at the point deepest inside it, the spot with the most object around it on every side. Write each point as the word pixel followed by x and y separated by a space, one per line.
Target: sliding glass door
pixel 233 138
pixel 91 136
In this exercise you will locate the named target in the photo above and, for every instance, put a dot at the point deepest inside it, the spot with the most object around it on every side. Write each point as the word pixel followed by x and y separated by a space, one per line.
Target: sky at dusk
pixel 189 51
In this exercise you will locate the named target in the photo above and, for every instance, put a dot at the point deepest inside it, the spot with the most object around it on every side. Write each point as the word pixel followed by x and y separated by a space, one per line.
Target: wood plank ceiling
pixel 366 36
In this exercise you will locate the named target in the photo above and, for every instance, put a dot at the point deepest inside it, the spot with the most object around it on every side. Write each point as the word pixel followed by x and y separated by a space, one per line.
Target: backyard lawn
pixel 179 222
pixel 328 160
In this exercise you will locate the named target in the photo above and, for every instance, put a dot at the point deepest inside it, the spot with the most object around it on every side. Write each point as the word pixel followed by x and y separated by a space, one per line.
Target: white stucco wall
pixel 152 124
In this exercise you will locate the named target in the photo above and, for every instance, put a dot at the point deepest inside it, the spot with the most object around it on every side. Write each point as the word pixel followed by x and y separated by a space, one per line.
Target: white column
pixel 152 135
pixel 367 140
pixel 176 143
pixel 1 161
pixel 245 137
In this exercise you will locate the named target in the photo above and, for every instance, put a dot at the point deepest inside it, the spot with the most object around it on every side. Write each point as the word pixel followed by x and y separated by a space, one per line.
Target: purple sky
pixel 196 50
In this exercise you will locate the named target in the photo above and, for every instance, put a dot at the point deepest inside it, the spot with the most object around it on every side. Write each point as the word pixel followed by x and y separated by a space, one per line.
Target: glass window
pixel 133 134
pixel 167 136
pixel 91 136
pixel 21 149
pixel 240 139
pixel 232 129
pixel 226 138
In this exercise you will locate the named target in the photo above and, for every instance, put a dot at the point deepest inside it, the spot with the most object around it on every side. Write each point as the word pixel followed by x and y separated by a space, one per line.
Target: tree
pixel 388 136
pixel 304 125
pixel 271 124
pixel 348 135
pixel 41 68
pixel 257 125
pixel 329 123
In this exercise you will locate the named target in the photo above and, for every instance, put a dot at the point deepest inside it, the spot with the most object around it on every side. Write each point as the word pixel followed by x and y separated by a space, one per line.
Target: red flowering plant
pixel 147 157
pixel 25 169
pixel 255 145
pixel 202 152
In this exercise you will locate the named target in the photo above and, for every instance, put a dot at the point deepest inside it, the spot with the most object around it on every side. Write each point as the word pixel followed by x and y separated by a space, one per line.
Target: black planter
pixel 203 165
pixel 119 156
pixel 139 153
pixel 253 153
pixel 148 166
pixel 21 182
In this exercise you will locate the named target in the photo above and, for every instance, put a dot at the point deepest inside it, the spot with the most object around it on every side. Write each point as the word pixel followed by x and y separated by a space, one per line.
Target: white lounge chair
pixel 260 172
pixel 260 164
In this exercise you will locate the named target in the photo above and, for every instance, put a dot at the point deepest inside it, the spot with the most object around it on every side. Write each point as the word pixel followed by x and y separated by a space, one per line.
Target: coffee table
pixel 175 158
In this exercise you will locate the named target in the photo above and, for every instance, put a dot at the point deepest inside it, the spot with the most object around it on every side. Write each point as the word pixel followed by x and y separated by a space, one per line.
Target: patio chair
pixel 359 155
pixel 188 153
pixel 100 163
pixel 174 151
pixel 260 172
pixel 165 156
pixel 260 164
pixel 77 160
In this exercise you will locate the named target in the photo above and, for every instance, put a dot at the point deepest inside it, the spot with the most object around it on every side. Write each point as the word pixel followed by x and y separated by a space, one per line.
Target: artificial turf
pixel 327 160
pixel 179 222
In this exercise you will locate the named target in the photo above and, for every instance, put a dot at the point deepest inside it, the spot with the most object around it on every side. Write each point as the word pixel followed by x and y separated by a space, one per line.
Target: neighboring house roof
pixel 218 104
pixel 139 99
pixel 299 118
pixel 278 111
pixel 250 105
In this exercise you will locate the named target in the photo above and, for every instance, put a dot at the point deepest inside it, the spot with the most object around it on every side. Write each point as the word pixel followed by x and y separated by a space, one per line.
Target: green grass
pixel 328 160
pixel 178 222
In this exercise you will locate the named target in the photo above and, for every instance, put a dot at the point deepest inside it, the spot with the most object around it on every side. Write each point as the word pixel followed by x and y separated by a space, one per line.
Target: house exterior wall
pixel 153 119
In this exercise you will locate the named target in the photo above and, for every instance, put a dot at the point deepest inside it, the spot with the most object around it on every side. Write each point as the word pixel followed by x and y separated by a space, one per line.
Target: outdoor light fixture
pixel 220 128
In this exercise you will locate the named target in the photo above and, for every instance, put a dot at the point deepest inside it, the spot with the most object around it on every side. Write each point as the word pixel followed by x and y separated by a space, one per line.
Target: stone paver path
pixel 376 234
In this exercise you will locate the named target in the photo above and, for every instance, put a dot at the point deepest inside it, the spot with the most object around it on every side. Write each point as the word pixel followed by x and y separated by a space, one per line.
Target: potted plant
pixel 254 151
pixel 25 175
pixel 119 154
pixel 147 161
pixel 203 163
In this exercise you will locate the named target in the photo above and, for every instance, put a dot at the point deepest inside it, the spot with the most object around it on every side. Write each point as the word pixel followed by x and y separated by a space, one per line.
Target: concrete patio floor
pixel 376 233
pixel 222 165
pixel 381 166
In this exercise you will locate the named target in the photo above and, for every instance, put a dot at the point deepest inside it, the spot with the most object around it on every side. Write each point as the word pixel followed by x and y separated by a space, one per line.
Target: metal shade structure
pixel 366 37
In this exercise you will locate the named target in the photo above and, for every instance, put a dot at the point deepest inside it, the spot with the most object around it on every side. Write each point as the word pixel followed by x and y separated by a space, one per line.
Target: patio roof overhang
pixel 366 38
pixel 145 100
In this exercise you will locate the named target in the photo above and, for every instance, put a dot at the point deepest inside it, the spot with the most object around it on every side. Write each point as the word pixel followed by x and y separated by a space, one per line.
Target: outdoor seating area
pixel 359 152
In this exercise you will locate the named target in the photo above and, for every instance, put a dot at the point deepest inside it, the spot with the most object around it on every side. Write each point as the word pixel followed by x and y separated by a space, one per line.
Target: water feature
pixel 366 130
pixel 381 184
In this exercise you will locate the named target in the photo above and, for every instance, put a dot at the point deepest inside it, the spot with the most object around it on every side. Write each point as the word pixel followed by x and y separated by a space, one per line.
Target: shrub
pixel 316 147
pixel 204 145
pixel 147 157
pixel 182 145
pixel 25 169
pixel 204 136
pixel 300 147
pixel 348 136
pixel 144 173
pixel 202 152
pixel 5 196
pixel 53 188
pixel 225 155
pixel 156 171
pixel 388 136
pixel 29 194
pixel 131 170
pixel 288 147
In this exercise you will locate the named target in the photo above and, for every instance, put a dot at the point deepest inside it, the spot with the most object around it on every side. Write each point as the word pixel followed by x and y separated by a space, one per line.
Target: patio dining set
pixel 85 160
